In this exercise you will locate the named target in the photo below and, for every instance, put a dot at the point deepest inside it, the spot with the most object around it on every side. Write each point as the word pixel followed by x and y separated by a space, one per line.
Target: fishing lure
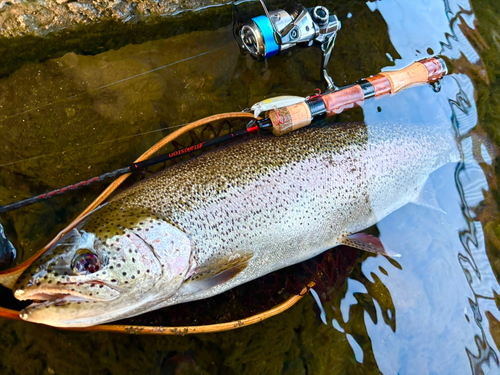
pixel 276 102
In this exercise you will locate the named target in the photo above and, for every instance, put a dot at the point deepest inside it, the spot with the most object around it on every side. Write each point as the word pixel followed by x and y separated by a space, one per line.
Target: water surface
pixel 434 310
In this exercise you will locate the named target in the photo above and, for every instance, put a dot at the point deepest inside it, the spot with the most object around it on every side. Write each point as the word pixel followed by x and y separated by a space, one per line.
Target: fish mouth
pixel 65 305
pixel 66 293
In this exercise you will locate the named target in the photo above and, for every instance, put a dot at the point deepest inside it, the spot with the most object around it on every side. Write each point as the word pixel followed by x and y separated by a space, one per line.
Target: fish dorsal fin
pixel 367 242
pixel 427 197
pixel 216 272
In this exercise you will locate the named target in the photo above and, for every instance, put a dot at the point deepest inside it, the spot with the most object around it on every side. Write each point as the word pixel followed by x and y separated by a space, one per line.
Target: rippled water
pixel 432 311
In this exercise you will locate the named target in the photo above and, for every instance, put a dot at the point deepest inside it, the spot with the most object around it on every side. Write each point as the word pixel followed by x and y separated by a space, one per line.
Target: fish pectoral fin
pixel 216 272
pixel 367 242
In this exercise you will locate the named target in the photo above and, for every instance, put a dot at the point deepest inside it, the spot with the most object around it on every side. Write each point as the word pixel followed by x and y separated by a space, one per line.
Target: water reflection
pixel 444 285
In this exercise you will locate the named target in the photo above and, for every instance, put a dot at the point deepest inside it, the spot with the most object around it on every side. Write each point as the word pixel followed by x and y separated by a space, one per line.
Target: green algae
pixel 487 41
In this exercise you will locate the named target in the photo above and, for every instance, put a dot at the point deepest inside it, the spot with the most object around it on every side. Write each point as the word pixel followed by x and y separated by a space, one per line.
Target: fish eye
pixel 85 262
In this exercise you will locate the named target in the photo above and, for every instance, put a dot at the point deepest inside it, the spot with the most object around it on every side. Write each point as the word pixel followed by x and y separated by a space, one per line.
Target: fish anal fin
pixel 216 272
pixel 427 198
pixel 367 242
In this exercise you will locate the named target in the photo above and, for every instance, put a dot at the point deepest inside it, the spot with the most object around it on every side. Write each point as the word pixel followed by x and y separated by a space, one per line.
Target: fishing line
pixel 94 144
pixel 100 88
pixel 252 128
pixel 114 83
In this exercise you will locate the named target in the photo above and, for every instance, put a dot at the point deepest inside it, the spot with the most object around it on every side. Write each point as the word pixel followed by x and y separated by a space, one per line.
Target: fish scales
pixel 313 188
pixel 245 210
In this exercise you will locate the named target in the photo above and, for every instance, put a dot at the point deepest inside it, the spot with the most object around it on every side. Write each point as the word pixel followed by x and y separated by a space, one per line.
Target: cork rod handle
pixel 415 74
pixel 418 73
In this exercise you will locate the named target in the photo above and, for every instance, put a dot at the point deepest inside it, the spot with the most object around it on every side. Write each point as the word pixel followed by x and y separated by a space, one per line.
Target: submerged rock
pixel 7 250
pixel 38 18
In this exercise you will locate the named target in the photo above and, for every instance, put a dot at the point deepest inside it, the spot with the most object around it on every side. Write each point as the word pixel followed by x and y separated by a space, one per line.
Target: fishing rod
pixel 283 115
pixel 131 168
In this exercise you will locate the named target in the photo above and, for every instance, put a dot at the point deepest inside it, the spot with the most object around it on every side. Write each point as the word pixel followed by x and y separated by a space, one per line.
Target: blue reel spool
pixel 271 47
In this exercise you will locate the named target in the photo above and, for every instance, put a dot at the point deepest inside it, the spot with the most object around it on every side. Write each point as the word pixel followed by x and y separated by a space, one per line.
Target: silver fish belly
pixel 257 206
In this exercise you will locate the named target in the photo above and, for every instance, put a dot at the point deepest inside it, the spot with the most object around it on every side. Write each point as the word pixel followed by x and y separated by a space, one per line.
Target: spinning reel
pixel 268 35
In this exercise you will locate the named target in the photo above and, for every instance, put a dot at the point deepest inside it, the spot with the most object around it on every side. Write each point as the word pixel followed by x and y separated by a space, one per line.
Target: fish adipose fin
pixel 216 273
pixel 367 242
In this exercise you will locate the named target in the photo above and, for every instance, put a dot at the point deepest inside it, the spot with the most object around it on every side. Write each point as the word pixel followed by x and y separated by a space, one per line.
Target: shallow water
pixel 434 310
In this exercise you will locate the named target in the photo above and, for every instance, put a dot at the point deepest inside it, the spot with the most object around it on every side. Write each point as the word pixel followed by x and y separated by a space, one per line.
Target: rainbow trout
pixel 227 217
